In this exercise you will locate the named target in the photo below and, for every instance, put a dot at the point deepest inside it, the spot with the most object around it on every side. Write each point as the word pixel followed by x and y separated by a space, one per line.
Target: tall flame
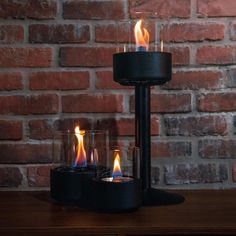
pixel 116 166
pixel 81 160
pixel 141 37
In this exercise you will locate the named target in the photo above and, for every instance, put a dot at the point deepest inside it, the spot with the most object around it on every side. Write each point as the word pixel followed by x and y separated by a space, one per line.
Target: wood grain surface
pixel 203 212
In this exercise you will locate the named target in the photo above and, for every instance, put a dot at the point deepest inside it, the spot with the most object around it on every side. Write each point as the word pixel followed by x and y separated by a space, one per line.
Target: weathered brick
pixel 231 78
pixel 216 8
pixel 217 149
pixel 35 9
pixel 86 56
pixel 10 177
pixel 180 56
pixel 105 81
pixel 25 153
pixel 162 8
pixel 171 149
pixel 155 175
pixel 38 176
pixel 168 103
pixel 125 126
pixel 196 126
pixel 11 81
pixel 35 104
pixel 195 173
pixel 195 80
pixel 11 130
pixel 233 30
pixel 41 129
pixel 11 34
pixel 64 80
pixel 193 32
pixel 92 103
pixel 58 33
pixel 94 10
pixel 216 102
pixel 25 57
pixel 219 55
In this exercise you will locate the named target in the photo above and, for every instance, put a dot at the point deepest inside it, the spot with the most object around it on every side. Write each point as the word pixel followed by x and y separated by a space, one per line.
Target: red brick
pixel 10 177
pixel 180 56
pixel 58 33
pixel 70 124
pixel 217 149
pixel 233 30
pixel 11 81
pixel 216 102
pixel 195 173
pixel 196 80
pixel 11 34
pixel 168 103
pixel 193 32
pixel 86 56
pixel 38 176
pixel 35 104
pixel 105 81
pixel 56 80
pixel 216 8
pixel 122 32
pixel 91 10
pixel 162 8
pixel 92 103
pixel 234 172
pixel 25 153
pixel 10 130
pixel 171 103
pixel 125 126
pixel 216 55
pixel 171 149
pixel 35 9
pixel 25 57
pixel 41 129
pixel 196 125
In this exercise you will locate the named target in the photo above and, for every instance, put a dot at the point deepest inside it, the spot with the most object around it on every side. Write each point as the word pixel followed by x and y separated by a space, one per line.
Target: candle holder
pixel 119 188
pixel 143 60
pixel 75 155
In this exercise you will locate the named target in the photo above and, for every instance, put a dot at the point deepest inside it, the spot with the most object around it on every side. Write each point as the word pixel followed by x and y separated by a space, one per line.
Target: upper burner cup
pixel 143 56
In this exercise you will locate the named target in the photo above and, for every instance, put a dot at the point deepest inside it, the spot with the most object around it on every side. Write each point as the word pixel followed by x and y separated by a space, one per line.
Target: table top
pixel 202 212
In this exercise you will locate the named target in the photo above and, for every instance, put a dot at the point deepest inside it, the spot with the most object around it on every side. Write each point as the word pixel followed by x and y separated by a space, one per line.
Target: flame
pixel 141 37
pixel 116 166
pixel 81 160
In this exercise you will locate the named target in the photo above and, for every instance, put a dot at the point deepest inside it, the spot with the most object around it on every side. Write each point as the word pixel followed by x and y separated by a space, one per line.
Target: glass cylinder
pixel 142 33
pixel 80 149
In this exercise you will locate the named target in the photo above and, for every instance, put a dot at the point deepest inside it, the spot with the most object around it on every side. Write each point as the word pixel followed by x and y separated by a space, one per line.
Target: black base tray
pixel 156 197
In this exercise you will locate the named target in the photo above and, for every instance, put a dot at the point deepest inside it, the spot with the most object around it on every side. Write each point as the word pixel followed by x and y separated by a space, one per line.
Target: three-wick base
pixel 69 185
pixel 123 195
pixel 156 197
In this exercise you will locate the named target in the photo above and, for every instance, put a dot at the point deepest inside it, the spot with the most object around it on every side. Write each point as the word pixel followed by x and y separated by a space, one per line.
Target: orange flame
pixel 81 159
pixel 116 166
pixel 141 37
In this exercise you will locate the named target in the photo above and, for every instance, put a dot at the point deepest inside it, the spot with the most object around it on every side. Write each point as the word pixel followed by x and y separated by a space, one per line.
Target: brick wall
pixel 55 70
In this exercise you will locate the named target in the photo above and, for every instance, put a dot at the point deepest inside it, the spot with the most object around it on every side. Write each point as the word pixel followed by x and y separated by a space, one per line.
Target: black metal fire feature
pixel 142 70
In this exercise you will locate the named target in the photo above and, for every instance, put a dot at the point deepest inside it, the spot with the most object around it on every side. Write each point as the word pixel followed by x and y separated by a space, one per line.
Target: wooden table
pixel 203 212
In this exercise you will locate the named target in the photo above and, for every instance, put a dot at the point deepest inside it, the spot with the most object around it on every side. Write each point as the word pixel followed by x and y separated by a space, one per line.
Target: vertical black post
pixel 142 132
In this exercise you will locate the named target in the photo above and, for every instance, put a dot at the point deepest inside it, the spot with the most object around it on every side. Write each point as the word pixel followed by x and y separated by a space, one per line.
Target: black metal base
pixel 114 197
pixel 156 197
